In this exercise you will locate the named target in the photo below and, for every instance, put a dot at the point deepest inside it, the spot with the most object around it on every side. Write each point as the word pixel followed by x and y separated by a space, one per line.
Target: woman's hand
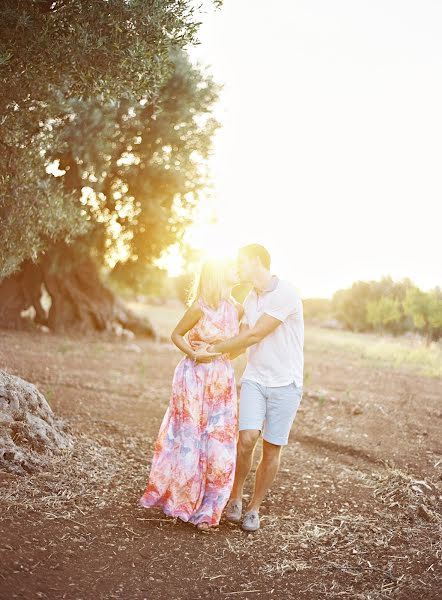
pixel 198 344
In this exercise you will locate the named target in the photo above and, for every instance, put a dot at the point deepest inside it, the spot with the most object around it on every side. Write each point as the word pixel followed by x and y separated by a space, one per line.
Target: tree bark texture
pixel 80 301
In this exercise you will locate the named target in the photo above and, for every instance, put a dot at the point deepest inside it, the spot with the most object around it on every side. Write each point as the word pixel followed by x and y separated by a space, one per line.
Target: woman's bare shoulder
pixel 192 312
pixel 195 308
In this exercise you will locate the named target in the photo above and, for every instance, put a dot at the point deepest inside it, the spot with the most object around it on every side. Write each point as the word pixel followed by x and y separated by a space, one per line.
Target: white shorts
pixel 269 409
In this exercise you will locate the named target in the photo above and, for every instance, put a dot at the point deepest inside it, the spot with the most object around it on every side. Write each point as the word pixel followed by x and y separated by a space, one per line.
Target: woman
pixel 194 458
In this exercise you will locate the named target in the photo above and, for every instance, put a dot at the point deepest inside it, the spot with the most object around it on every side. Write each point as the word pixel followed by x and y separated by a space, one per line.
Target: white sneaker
pixel 251 521
pixel 233 511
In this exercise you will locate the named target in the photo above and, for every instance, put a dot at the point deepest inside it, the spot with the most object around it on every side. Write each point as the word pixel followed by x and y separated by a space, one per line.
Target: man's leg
pixel 282 405
pixel 252 408
pixel 246 446
pixel 265 474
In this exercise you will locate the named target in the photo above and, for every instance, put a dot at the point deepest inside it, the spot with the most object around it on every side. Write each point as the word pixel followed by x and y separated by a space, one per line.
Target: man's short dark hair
pixel 256 250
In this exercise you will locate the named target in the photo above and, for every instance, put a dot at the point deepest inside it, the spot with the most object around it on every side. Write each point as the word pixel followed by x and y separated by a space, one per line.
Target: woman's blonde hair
pixel 212 282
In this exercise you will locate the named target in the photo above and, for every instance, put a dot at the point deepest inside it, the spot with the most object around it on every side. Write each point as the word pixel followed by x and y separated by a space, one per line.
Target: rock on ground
pixel 29 431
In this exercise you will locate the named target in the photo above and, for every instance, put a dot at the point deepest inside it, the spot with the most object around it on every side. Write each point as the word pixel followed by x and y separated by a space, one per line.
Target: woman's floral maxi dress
pixel 193 466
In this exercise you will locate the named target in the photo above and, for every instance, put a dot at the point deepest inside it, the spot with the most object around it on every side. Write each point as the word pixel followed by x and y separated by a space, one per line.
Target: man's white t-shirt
pixel 278 359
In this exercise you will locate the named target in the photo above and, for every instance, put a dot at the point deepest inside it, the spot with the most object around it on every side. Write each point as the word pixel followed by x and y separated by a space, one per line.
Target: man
pixel 272 382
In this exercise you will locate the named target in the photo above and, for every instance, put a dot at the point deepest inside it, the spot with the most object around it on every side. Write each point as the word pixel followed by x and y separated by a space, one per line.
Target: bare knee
pixel 271 453
pixel 247 441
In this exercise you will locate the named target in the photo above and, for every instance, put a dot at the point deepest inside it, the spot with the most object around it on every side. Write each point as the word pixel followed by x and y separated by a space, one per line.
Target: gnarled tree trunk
pixel 80 302
pixel 19 292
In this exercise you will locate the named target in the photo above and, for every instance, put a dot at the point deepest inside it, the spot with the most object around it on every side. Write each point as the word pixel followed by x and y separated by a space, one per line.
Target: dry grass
pixel 366 549
pixel 380 351
pixel 349 554
pixel 76 482
pixel 334 526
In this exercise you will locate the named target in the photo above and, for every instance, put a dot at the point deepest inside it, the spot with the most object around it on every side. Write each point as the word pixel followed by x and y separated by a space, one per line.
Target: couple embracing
pixel 201 461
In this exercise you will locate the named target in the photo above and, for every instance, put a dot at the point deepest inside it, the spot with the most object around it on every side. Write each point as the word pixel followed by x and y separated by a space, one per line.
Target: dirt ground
pixel 355 511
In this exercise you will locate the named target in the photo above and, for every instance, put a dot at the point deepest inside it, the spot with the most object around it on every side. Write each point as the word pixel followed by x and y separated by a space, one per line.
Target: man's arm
pixel 232 355
pixel 263 327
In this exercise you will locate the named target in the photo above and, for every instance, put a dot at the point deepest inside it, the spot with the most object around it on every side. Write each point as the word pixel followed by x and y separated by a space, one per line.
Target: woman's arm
pixel 190 318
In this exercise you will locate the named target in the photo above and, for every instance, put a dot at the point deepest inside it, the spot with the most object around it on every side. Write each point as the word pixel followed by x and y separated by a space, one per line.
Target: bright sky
pixel 330 153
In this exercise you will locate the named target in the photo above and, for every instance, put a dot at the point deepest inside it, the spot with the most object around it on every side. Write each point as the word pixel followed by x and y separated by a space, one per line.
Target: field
pixel 355 511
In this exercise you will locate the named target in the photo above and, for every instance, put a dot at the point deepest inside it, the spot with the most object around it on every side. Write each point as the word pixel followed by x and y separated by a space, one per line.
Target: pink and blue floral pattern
pixel 193 466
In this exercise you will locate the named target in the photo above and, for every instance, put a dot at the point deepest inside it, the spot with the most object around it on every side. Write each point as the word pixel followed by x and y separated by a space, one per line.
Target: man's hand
pixel 204 355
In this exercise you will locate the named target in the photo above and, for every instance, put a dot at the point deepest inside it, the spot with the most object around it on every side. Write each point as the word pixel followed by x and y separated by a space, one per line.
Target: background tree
pixel 350 306
pixel 383 313
pixel 317 308
pixel 362 307
pixel 425 308
pixel 106 126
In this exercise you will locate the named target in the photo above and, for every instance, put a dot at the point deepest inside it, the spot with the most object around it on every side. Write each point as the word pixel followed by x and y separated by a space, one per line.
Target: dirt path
pixel 355 512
